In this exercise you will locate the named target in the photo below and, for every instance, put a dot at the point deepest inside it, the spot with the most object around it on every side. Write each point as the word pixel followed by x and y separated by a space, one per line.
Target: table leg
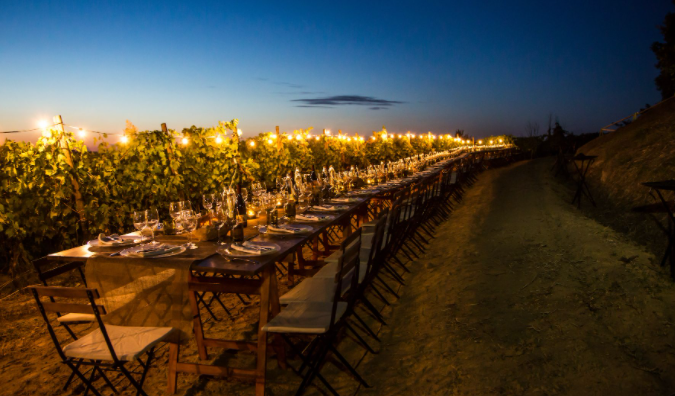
pixel 172 376
pixel 275 308
pixel 197 323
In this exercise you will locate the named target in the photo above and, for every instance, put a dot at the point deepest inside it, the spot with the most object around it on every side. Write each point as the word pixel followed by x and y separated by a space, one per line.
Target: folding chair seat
pixel 315 289
pixel 310 317
pixel 128 343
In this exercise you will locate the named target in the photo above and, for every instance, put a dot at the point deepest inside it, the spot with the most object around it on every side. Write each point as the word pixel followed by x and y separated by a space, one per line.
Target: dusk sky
pixel 487 67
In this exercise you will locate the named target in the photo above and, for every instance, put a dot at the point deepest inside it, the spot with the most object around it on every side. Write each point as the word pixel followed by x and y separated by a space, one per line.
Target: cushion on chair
pixel 305 318
pixel 127 341
pixel 315 289
pixel 76 317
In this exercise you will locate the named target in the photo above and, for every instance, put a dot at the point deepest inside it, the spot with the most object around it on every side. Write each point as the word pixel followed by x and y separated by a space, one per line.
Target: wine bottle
pixel 241 207
pixel 312 175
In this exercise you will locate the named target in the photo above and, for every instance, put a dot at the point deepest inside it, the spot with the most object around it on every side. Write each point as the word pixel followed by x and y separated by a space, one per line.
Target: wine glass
pixel 190 220
pixel 207 201
pixel 152 219
pixel 175 209
pixel 140 221
pixel 219 221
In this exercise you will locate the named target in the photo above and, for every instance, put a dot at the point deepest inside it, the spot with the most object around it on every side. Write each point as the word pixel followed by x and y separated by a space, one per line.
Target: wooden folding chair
pixel 108 348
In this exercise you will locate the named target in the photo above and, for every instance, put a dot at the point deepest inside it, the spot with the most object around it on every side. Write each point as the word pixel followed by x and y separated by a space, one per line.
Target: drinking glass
pixel 152 218
pixel 140 221
pixel 175 209
pixel 219 221
pixel 190 220
pixel 207 200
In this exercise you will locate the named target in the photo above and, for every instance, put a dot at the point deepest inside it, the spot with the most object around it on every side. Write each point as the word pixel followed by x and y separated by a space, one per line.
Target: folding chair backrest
pixel 347 262
pixel 47 269
pixel 59 308
pixel 375 252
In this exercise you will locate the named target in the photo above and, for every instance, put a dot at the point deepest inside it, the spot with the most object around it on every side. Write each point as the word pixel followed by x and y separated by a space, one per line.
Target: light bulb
pixel 219 139
pixel 239 132
pixel 124 139
pixel 252 143
pixel 184 140
pixel 82 133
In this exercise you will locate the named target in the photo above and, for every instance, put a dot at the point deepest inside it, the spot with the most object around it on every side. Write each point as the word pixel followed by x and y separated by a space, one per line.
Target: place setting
pixel 152 250
pixel 329 208
pixel 247 250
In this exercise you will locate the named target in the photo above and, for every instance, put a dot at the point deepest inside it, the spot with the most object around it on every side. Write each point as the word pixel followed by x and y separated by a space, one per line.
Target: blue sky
pixel 486 67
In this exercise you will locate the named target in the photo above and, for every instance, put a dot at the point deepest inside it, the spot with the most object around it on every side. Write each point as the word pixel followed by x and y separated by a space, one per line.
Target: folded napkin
pixel 286 230
pixel 241 248
pixel 253 246
pixel 310 217
pixel 156 251
pixel 111 240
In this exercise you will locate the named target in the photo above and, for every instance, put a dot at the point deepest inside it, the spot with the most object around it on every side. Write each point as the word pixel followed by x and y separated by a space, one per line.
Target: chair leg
pixel 361 340
pixel 83 378
pixel 349 366
pixel 368 329
pixel 139 389
pixel 305 363
pixel 372 309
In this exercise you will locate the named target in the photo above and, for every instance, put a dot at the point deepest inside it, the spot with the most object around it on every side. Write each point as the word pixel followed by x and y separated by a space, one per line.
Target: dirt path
pixel 521 294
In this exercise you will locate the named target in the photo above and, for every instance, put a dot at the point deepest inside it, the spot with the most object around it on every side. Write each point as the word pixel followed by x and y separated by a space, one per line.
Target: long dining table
pixel 202 270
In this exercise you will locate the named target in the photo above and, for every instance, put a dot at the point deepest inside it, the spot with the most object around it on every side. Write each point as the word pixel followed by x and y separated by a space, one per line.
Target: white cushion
pixel 127 341
pixel 76 317
pixel 315 289
pixel 305 318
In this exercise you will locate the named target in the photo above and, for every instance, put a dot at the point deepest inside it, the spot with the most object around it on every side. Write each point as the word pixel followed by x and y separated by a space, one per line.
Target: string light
pixel 480 142
pixel 317 138
pixel 219 139
pixel 124 139
pixel 43 124
pixel 274 136
pixel 298 137
pixel 239 132
pixel 82 133
pixel 269 141
pixel 185 140
pixel 252 143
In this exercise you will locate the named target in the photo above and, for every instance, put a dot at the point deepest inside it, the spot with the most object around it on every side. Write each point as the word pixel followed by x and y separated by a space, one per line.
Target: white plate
pixel 131 252
pixel 128 241
pixel 229 252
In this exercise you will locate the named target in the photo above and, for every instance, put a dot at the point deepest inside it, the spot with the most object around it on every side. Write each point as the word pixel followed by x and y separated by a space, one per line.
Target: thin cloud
pixel 348 100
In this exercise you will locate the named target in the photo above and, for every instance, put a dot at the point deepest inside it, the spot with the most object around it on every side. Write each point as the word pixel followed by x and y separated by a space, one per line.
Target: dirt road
pixel 521 294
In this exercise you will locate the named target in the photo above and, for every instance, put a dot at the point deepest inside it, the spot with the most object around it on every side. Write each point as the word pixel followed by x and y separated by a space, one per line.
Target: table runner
pixel 146 291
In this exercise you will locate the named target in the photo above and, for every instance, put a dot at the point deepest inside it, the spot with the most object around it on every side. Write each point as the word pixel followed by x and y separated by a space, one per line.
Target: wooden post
pixel 280 143
pixel 164 128
pixel 65 149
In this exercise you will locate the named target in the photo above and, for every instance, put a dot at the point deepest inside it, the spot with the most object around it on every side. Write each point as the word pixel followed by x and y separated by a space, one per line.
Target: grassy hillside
pixel 640 152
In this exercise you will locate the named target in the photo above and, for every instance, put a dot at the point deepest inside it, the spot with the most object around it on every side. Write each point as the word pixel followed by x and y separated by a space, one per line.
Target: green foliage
pixel 38 212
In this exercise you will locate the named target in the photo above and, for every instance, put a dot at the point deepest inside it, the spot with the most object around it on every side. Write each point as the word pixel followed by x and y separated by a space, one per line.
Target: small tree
pixel 665 55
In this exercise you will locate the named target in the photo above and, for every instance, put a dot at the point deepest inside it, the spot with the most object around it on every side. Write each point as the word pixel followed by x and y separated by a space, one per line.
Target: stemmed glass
pixel 207 200
pixel 219 221
pixel 152 219
pixel 190 220
pixel 140 221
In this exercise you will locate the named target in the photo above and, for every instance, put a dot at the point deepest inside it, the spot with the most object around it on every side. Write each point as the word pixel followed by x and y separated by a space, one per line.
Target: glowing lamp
pixel 219 139
pixel 184 140
pixel 124 139
pixel 81 133
pixel 251 143
pixel 239 132
pixel 269 141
